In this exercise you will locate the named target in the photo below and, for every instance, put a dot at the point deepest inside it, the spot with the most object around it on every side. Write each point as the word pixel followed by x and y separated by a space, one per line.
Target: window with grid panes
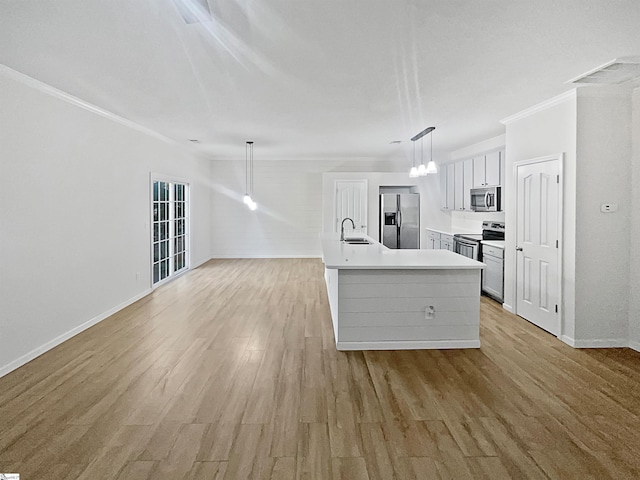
pixel 170 229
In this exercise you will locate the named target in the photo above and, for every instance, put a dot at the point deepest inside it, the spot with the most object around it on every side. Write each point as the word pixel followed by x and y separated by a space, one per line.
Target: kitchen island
pixel 384 299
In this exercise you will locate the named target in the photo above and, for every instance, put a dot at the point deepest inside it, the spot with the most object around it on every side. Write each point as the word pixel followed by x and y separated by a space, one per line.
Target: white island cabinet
pixel 384 299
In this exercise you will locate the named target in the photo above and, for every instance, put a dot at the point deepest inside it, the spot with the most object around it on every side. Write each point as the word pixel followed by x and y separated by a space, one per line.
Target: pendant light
pixel 431 166
pixel 423 170
pixel 248 177
pixel 413 173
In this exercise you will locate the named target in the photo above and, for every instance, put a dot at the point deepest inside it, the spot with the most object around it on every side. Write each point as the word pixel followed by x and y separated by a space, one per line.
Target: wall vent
pixel 615 72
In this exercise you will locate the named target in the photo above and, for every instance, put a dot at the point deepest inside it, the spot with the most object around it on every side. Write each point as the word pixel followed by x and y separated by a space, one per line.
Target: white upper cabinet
pixel 451 182
pixel 487 168
pixel 459 186
pixel 444 205
pixel 463 184
pixel 478 171
pixel 492 168
pixel 467 184
pixel 458 178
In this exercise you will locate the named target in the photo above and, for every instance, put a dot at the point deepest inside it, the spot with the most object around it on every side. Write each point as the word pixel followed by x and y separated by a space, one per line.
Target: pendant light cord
pixel 246 168
pixel 251 157
pixel 414 153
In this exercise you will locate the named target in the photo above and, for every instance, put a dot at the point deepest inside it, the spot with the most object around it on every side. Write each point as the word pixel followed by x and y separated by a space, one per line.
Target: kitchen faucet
pixel 342 227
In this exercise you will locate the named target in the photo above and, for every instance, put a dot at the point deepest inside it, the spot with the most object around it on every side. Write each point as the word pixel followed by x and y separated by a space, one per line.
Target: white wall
pixel 289 218
pixel 430 214
pixel 471 222
pixel 489 145
pixel 592 128
pixel 634 260
pixel 603 175
pixel 75 215
pixel 546 130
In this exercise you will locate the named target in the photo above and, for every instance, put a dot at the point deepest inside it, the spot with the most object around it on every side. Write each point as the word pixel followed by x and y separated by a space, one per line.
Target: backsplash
pixel 472 221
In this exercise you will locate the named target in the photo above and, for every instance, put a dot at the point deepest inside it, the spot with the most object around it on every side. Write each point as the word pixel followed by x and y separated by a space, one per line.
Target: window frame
pixel 171 234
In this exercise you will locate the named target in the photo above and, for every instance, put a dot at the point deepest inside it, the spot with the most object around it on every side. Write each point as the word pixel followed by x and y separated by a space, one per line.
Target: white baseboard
pixel 634 345
pixel 408 345
pixel 508 308
pixel 36 352
pixel 195 265
pixel 595 342
pixel 265 256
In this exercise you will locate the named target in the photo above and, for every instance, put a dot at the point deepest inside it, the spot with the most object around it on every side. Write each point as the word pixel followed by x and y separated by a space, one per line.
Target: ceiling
pixel 316 80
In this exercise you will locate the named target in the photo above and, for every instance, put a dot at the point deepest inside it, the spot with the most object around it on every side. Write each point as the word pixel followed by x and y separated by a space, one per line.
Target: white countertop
pixel 494 243
pixel 340 255
pixel 453 232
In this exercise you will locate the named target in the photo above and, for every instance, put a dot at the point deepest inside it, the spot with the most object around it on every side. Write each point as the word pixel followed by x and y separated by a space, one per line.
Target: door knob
pixel 518 249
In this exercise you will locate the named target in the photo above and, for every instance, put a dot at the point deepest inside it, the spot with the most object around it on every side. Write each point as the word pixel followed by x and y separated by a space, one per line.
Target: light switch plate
pixel 609 207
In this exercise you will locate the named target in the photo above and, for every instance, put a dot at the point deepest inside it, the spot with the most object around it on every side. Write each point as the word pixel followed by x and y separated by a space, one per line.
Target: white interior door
pixel 537 241
pixel 351 201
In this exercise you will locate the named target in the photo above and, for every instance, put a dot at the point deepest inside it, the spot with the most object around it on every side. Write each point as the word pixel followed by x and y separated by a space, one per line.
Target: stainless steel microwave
pixel 486 199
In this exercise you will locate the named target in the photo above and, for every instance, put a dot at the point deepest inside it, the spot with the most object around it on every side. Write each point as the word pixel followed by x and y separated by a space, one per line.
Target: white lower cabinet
pixel 437 240
pixel 433 240
pixel 446 242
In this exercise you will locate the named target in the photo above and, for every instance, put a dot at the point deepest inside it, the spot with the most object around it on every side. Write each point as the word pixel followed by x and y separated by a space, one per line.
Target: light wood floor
pixel 231 372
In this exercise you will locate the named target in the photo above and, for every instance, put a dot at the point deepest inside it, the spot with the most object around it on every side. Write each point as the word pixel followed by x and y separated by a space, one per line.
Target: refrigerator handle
pixel 399 218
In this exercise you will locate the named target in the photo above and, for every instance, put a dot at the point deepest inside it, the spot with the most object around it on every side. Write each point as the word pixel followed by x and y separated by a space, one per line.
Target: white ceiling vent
pixel 615 72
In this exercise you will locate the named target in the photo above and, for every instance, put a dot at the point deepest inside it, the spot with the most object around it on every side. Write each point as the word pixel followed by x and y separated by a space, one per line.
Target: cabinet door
pixel 433 239
pixel 492 277
pixel 444 205
pixel 458 199
pixel 446 242
pixel 492 169
pixel 478 172
pixel 467 184
pixel 450 186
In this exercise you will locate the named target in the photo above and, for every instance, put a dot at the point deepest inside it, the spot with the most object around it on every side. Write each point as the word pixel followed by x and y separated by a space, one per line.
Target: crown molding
pixel 552 102
pixel 78 102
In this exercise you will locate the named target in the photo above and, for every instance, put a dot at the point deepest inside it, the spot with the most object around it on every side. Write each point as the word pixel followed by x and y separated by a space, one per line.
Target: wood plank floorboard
pixel 231 372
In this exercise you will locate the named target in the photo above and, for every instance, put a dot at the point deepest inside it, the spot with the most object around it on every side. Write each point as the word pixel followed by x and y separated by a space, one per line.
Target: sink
pixel 357 241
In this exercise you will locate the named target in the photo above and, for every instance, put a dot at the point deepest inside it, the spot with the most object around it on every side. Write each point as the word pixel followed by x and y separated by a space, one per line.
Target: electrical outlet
pixel 429 312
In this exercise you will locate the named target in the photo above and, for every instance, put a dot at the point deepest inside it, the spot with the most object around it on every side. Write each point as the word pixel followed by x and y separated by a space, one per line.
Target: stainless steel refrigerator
pixel 400 220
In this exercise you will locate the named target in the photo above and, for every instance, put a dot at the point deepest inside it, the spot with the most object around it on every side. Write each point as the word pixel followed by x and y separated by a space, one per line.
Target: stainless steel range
pixel 469 244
